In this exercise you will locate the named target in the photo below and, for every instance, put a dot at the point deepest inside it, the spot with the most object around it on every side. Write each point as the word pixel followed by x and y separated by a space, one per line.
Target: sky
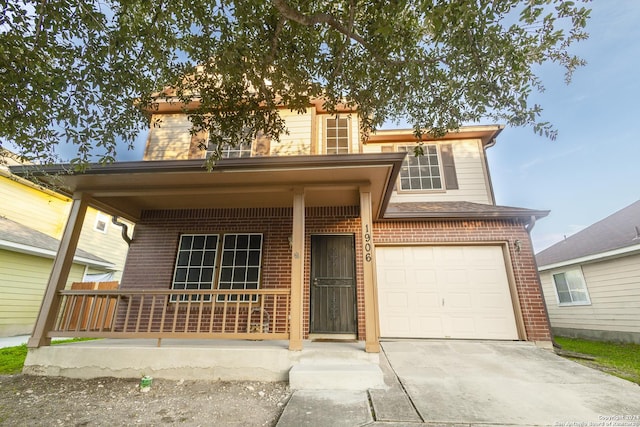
pixel 593 168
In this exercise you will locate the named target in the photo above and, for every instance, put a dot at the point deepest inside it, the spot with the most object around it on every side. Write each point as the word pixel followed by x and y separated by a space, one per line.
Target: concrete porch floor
pixel 228 360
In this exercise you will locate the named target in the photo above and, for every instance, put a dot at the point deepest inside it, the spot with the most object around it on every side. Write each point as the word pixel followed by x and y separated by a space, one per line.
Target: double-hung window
pixel 421 172
pixel 239 259
pixel 337 135
pixel 571 288
pixel 229 152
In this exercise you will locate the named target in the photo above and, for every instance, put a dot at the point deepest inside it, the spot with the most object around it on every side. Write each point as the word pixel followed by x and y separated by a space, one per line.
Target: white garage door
pixel 444 292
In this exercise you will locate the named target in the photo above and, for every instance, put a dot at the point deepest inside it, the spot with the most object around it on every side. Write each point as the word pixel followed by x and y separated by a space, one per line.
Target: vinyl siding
pixel 472 185
pixel 23 279
pixel 109 246
pixel 35 209
pixel 170 140
pixel 614 290
pixel 298 141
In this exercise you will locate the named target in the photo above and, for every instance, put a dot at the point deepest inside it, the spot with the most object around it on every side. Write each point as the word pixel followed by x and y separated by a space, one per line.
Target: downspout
pixel 125 229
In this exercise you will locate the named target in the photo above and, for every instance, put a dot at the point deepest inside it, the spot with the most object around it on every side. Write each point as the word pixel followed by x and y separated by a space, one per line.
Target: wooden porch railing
pixel 229 314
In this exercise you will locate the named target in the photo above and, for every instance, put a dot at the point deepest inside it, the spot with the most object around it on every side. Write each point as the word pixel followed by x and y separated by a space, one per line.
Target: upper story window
pixel 229 152
pixel 337 135
pixel 421 172
pixel 434 170
pixel 102 222
pixel 571 288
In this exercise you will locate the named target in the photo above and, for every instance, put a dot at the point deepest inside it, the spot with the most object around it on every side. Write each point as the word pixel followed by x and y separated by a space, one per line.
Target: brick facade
pixel 151 260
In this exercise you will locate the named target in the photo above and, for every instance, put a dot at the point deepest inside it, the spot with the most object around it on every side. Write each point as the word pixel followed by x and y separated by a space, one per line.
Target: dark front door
pixel 333 285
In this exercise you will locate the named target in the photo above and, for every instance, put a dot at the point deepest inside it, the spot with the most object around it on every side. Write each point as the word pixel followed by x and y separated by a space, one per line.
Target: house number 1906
pixel 367 243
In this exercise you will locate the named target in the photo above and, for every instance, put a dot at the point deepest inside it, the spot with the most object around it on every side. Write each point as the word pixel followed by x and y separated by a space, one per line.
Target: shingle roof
pixel 457 210
pixel 11 231
pixel 613 232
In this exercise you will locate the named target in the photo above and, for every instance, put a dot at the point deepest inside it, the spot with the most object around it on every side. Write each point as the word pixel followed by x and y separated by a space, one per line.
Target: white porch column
pixel 59 272
pixel 297 270
pixel 372 344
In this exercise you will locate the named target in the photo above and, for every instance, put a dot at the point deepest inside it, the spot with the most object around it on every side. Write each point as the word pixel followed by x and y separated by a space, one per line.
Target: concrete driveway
pixel 507 383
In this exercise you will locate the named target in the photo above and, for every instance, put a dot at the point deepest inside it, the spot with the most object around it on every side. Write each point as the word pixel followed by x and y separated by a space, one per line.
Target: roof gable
pixel 613 232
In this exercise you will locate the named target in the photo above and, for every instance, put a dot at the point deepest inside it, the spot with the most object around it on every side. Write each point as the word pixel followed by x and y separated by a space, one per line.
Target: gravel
pixel 55 401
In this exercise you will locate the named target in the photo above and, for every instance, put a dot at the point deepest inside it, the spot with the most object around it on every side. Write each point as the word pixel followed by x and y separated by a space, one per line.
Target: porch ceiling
pixel 127 188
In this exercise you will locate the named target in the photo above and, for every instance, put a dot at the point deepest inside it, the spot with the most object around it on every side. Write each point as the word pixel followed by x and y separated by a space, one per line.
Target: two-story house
pixel 317 236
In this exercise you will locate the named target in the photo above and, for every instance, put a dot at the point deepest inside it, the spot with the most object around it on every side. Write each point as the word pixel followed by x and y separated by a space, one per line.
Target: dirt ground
pixel 55 401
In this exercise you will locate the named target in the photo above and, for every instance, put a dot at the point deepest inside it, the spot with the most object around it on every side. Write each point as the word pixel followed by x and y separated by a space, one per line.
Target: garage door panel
pixel 453 292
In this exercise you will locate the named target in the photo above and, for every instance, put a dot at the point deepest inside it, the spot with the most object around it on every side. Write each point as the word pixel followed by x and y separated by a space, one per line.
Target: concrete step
pixel 336 376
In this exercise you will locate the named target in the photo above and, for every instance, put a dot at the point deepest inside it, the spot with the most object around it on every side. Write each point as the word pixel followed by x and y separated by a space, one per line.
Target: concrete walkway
pixel 474 383
pixel 13 341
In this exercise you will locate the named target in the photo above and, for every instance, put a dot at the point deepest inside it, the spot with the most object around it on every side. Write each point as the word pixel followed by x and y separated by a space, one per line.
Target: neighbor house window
pixel 195 264
pixel 571 288
pixel 421 172
pixel 102 222
pixel 240 263
pixel 337 135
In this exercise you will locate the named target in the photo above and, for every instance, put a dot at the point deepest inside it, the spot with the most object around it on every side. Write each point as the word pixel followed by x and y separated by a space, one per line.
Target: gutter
pixel 601 256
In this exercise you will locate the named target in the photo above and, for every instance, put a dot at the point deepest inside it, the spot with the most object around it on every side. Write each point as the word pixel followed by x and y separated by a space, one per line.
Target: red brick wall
pixel 152 254
pixel 523 263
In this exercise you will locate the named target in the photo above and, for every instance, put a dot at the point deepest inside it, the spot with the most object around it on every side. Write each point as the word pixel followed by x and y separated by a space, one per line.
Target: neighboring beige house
pixel 591 280
pixel 32 220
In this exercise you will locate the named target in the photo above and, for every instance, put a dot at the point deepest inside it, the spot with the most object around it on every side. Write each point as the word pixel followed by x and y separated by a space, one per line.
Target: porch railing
pixel 229 314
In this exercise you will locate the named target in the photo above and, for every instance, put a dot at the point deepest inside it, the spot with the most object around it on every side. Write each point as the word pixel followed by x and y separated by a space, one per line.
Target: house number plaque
pixel 367 243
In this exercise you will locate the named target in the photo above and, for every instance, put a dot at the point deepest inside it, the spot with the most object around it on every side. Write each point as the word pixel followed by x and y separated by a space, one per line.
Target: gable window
pixel 195 264
pixel 102 222
pixel 337 135
pixel 240 263
pixel 421 172
pixel 571 288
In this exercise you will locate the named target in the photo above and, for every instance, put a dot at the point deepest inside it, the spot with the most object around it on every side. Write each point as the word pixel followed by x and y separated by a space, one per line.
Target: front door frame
pixel 353 310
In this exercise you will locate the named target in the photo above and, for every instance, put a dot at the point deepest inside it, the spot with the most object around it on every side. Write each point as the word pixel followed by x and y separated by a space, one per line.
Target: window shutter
pixel 262 145
pixel 449 167
pixel 198 146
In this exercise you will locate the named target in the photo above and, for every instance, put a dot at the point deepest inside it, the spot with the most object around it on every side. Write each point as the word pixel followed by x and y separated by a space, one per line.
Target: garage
pixel 444 292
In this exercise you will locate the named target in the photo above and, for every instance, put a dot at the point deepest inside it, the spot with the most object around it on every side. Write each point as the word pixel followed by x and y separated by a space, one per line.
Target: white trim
pixel 584 285
pixel 601 256
pixel 46 253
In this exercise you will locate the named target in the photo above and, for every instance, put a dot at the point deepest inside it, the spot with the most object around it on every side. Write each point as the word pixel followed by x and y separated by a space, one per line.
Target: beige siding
pixel 298 141
pixel 23 279
pixel 33 208
pixel 471 176
pixel 614 290
pixel 170 139
pixel 109 245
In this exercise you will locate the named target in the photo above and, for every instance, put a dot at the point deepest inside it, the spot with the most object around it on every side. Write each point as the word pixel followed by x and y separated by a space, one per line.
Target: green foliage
pixel 621 359
pixel 12 359
pixel 83 72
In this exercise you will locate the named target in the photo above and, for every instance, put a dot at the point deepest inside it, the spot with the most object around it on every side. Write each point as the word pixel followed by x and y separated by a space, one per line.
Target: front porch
pixel 227 360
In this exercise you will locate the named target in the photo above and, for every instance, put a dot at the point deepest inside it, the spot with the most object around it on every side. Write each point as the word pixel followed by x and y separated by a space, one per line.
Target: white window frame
pixel 406 166
pixel 227 272
pixel 101 218
pixel 202 283
pixel 229 152
pixel 335 148
pixel 576 285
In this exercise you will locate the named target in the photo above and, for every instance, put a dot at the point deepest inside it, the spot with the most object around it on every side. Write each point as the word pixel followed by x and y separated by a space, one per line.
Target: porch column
pixel 372 345
pixel 59 272
pixel 297 270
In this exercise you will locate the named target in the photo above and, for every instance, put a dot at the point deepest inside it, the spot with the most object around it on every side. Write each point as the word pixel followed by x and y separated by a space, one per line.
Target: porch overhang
pixel 127 188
